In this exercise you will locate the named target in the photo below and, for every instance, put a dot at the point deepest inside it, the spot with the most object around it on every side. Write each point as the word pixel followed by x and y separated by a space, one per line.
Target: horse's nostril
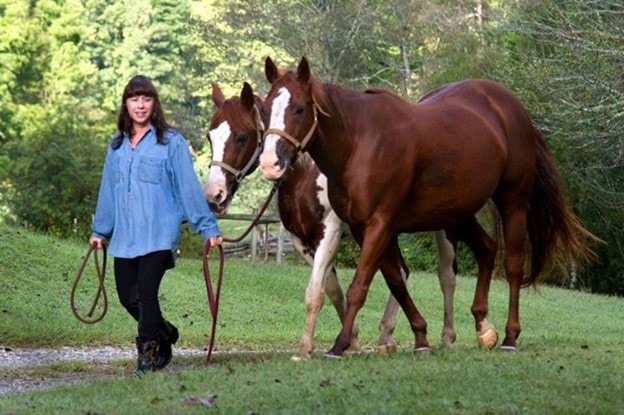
pixel 219 197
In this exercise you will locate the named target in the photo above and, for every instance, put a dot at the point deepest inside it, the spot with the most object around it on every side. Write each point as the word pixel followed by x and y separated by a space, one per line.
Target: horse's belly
pixel 453 183
pixel 442 208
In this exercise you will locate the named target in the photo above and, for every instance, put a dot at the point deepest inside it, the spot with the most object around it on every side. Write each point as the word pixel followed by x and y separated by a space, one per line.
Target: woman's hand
pixel 216 240
pixel 96 242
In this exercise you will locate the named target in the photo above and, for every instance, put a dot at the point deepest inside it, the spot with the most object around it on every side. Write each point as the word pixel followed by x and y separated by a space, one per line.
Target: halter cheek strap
pixel 300 146
pixel 238 174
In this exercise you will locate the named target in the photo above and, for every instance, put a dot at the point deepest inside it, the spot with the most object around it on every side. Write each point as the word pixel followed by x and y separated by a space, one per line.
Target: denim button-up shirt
pixel 145 194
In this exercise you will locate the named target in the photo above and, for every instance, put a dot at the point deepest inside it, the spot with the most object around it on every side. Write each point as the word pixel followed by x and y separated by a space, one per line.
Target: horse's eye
pixel 240 139
pixel 299 110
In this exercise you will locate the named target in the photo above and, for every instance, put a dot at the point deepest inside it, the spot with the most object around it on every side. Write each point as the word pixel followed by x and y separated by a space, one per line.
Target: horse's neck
pixel 302 165
pixel 297 181
pixel 332 143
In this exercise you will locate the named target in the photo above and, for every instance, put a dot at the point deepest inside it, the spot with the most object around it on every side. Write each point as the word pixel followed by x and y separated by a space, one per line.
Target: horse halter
pixel 299 145
pixel 240 174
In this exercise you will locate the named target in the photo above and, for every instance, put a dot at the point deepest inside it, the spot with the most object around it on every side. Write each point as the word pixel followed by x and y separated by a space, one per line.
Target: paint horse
pixel 236 138
pixel 394 167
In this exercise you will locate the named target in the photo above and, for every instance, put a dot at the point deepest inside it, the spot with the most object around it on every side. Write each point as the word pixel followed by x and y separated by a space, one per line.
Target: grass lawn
pixel 570 358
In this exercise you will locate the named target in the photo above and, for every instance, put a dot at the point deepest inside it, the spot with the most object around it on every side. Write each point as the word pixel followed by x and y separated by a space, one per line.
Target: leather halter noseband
pixel 299 145
pixel 240 174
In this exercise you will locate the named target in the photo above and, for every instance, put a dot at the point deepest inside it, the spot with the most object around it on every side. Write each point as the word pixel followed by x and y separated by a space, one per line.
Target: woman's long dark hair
pixel 140 85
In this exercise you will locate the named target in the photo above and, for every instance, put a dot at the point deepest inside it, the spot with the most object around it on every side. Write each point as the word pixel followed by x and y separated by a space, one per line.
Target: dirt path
pixel 24 370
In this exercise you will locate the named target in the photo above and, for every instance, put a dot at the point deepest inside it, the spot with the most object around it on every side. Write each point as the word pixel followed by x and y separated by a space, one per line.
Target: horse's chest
pixel 303 207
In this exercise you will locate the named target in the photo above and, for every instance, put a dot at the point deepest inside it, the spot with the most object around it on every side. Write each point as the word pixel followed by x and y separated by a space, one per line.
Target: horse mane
pixel 237 116
pixel 321 92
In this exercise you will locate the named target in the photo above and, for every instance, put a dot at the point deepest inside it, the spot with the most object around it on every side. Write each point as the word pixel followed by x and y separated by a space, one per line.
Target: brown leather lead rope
pixel 101 291
pixel 213 297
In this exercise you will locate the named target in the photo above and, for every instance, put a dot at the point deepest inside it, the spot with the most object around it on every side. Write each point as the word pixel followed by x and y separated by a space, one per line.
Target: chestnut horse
pixel 236 136
pixel 394 167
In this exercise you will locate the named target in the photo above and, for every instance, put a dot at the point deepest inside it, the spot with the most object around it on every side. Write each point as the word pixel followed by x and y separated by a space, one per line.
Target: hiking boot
pixel 146 362
pixel 168 336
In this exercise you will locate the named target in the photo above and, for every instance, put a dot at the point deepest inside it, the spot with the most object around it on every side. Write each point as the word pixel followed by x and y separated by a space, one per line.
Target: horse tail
pixel 558 240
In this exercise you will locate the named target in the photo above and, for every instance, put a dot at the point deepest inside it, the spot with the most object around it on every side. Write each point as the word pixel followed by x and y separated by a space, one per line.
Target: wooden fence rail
pixel 262 242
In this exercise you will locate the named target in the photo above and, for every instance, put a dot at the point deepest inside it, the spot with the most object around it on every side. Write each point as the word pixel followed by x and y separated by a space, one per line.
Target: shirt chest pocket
pixel 151 169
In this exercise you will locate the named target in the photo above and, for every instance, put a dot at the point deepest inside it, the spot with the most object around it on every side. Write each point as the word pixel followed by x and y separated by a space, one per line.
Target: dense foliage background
pixel 64 63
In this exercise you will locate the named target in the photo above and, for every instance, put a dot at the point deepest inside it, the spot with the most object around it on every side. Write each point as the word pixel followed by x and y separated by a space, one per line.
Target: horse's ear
pixel 270 70
pixel 303 70
pixel 247 97
pixel 217 95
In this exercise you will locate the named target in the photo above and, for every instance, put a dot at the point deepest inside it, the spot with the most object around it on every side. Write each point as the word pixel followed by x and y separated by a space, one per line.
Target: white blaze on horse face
pixel 216 189
pixel 268 159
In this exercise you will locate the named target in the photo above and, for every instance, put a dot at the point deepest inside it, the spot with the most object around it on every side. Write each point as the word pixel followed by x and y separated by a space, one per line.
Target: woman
pixel 148 187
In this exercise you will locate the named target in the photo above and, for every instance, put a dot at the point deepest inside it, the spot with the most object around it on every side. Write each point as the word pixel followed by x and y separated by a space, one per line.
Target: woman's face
pixel 140 108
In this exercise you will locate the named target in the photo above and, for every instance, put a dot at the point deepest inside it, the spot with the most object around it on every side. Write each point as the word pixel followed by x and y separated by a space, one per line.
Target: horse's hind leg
pixel 514 228
pixel 447 271
pixel 484 249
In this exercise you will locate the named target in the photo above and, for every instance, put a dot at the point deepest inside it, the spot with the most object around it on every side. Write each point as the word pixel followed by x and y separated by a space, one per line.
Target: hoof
pixel 447 345
pixel 422 349
pixel 331 356
pixel 488 339
pixel 509 349
pixel 385 349
pixel 448 338
pixel 354 346
pixel 300 357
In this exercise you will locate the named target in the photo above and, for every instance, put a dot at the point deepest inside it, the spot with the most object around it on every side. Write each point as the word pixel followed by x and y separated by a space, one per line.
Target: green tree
pixel 63 67
pixel 48 148
pixel 565 60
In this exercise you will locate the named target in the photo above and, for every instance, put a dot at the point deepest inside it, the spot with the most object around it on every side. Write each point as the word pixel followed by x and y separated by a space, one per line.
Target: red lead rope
pixel 213 297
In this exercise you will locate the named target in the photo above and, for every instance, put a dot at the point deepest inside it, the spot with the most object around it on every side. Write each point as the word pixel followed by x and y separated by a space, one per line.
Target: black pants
pixel 138 280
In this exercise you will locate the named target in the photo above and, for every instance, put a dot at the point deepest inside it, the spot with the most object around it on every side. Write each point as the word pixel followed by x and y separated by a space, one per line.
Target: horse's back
pixel 468 129
pixel 492 101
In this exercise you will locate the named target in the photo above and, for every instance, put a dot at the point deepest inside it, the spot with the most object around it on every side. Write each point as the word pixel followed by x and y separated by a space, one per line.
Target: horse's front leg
pixel 325 258
pixel 396 281
pixel 314 297
pixel 335 294
pixel 323 280
pixel 447 270
pixel 386 343
pixel 373 242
